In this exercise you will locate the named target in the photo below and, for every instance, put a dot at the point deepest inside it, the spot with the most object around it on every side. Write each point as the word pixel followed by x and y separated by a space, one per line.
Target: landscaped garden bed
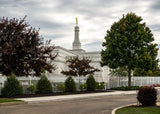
pixel 139 110
pixel 125 88
pixel 147 98
pixel 13 89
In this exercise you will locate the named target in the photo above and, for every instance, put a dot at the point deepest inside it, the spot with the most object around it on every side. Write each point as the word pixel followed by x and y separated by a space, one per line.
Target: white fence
pixel 135 81
pixel 26 81
pixel 110 83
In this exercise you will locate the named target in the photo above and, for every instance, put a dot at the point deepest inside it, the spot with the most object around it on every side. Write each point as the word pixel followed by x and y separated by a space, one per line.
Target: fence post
pixel 141 80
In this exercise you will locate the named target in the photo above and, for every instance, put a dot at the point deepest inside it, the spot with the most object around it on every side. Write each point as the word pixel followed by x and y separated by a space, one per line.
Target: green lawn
pixel 139 110
pixel 3 100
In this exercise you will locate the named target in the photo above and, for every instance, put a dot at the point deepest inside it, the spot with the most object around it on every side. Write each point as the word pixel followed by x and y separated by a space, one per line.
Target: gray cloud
pixel 155 27
pixel 56 18
pixel 156 5
pixel 47 24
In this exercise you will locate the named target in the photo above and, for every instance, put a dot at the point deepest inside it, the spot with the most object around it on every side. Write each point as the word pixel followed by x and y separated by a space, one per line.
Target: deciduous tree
pixel 23 51
pixel 129 43
pixel 79 66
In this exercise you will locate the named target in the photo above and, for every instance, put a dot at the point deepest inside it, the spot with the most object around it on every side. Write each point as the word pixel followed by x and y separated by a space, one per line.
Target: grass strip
pixel 138 110
pixel 4 100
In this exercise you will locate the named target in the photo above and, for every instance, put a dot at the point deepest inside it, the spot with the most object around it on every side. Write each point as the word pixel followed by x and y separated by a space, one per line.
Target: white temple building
pixel 60 60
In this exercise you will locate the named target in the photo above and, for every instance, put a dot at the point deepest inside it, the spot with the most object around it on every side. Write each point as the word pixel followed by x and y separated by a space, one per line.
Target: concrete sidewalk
pixel 68 97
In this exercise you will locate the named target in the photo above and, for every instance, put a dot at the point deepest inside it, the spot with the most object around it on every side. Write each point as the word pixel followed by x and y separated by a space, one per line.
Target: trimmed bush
pixel 61 87
pixel 12 87
pixel 44 86
pixel 83 86
pixel 147 96
pixel 70 85
pixel 91 83
pixel 31 89
pixel 100 85
pixel 127 88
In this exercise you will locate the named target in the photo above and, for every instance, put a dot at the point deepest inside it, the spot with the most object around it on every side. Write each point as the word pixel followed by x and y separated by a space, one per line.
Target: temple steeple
pixel 76 44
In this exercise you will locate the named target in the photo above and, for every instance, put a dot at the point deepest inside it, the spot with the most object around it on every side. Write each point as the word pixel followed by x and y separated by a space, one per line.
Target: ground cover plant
pixel 100 85
pixel 83 87
pixel 61 87
pixel 31 89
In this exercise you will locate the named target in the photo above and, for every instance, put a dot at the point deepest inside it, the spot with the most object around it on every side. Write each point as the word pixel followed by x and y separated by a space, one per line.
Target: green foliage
pixel 4 100
pixel 44 86
pixel 142 72
pixel 138 110
pixel 139 72
pixel 146 59
pixel 31 89
pixel 70 85
pixel 83 86
pixel 156 73
pixel 147 96
pixel 91 83
pixel 127 88
pixel 12 87
pixel 120 71
pixel 128 44
pixel 100 85
pixel 61 87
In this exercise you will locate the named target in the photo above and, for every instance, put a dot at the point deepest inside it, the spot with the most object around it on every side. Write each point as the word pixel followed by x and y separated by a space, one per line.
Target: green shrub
pixel 147 96
pixel 127 88
pixel 83 86
pixel 70 85
pixel 61 87
pixel 100 85
pixel 44 86
pixel 156 73
pixel 12 87
pixel 31 89
pixel 91 83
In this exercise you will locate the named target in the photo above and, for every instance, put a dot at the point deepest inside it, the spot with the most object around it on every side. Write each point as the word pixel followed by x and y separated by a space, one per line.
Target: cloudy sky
pixel 56 18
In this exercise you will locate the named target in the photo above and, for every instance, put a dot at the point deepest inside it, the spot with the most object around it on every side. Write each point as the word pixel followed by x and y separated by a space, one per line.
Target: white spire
pixel 76 44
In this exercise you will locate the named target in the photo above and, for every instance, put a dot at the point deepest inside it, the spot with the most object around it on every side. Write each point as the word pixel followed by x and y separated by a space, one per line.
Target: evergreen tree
pixel 91 83
pixel 70 85
pixel 44 86
pixel 12 87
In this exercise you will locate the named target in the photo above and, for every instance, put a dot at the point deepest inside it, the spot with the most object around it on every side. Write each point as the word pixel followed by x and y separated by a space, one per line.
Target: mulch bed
pixel 57 93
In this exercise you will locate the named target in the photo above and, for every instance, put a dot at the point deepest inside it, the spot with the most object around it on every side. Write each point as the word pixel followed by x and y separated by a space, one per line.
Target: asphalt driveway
pixel 94 105
pixel 91 105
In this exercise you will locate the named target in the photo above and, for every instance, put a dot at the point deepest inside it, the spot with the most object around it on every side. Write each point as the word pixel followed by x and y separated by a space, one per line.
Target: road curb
pixel 68 97
pixel 114 110
pixel 13 103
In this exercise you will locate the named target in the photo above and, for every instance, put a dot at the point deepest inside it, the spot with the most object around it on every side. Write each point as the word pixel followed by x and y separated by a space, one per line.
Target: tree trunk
pixel 129 78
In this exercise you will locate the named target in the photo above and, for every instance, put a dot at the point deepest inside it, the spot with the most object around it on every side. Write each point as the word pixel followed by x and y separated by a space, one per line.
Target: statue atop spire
pixel 76 21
